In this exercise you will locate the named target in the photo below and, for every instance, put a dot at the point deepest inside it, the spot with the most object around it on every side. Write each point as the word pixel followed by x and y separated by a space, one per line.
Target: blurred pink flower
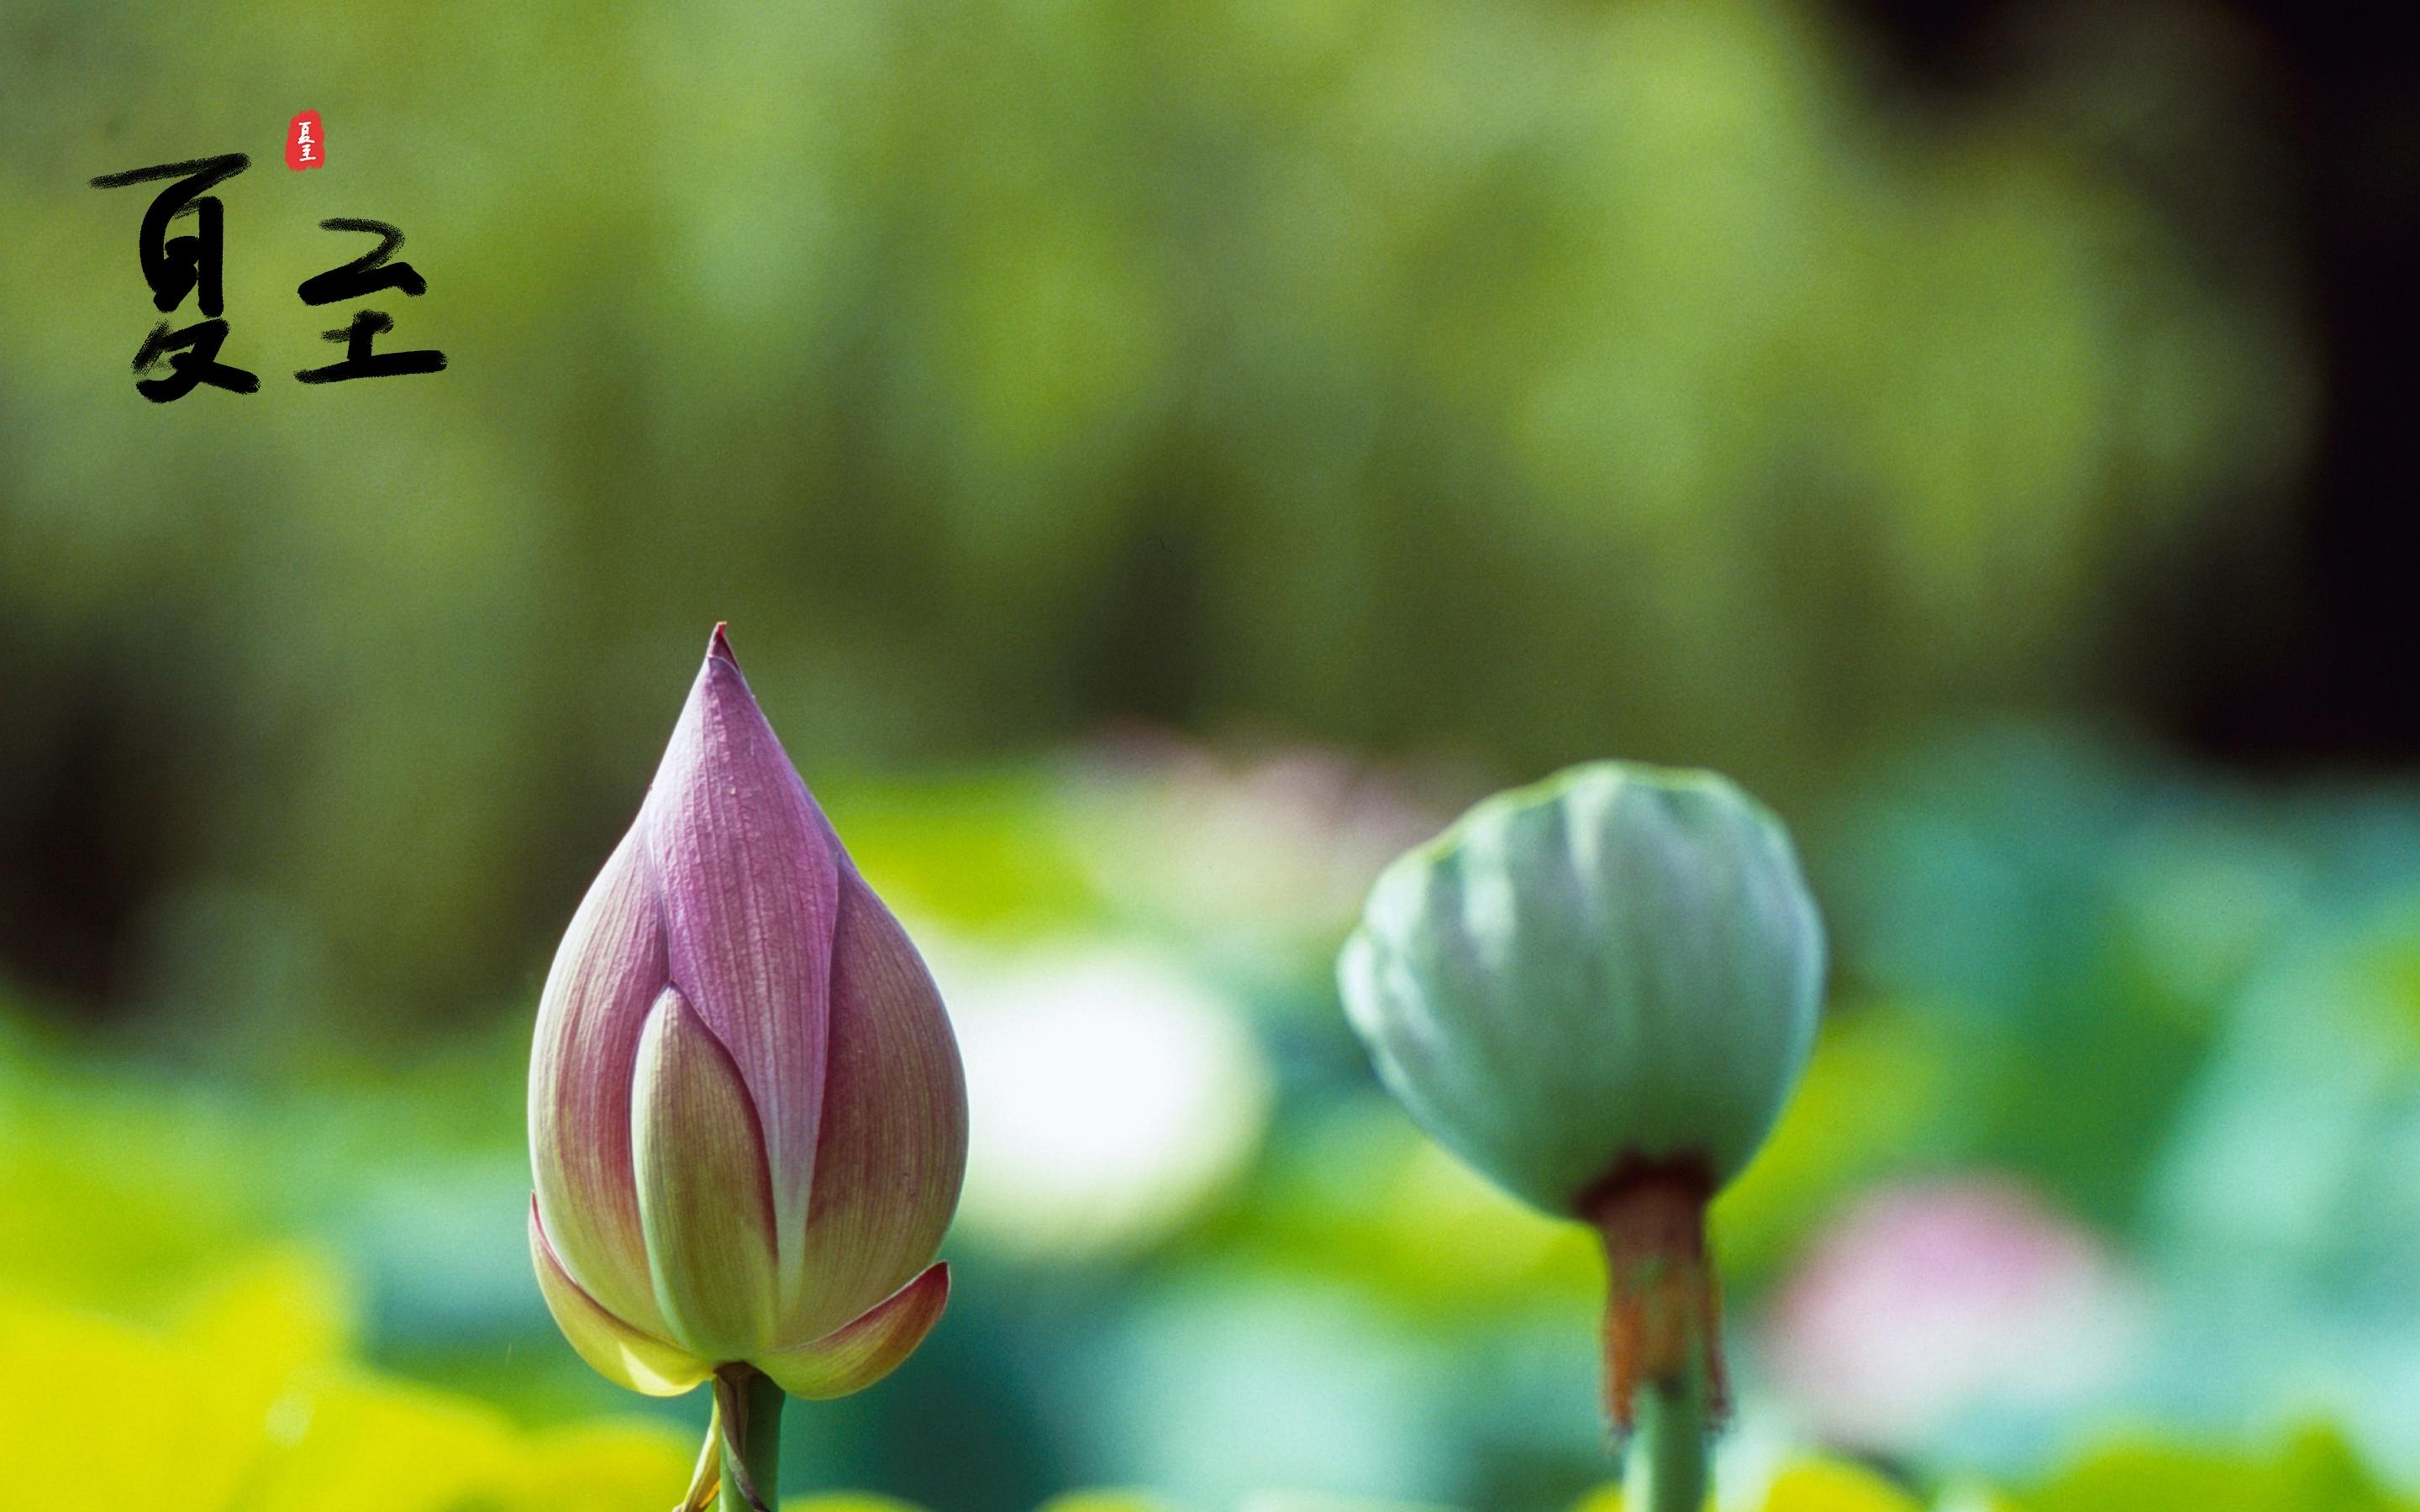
pixel 1925 1302
pixel 1275 841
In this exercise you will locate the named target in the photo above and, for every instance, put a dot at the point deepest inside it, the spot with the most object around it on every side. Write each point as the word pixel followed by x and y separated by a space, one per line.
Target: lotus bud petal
pixel 747 1113
pixel 855 1355
pixel 1599 990
pixel 621 1354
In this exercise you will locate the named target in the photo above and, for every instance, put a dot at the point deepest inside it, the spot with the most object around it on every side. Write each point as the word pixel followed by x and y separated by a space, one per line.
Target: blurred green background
pixel 1158 459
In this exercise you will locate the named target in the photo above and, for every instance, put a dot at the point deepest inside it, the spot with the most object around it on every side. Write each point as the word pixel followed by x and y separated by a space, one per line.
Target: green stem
pixel 751 1439
pixel 1668 1470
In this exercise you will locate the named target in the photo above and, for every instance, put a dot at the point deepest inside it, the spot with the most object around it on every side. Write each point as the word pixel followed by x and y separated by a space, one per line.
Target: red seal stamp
pixel 304 148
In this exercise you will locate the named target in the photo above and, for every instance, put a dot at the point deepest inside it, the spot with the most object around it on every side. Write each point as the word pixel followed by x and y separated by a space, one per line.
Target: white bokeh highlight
pixel 1111 1095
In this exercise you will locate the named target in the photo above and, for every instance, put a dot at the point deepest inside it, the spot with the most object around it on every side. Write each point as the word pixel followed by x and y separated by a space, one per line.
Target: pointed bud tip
pixel 720 644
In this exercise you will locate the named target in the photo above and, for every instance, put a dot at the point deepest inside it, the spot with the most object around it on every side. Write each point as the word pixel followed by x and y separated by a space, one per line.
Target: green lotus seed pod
pixel 1600 991
pixel 1619 962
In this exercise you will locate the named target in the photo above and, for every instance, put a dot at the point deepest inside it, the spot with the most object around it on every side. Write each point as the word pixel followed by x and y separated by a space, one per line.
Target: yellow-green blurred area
pixel 1160 459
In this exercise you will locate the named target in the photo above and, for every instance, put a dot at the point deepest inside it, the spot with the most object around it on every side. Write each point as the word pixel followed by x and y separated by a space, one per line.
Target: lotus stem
pixel 1668 1470
pixel 750 1405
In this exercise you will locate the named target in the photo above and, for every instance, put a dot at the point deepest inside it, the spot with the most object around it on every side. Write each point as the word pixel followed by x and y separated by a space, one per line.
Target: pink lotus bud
pixel 747 1116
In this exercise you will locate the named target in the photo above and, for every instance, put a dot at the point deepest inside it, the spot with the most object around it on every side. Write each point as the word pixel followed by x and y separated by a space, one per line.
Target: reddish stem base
pixel 1663 1315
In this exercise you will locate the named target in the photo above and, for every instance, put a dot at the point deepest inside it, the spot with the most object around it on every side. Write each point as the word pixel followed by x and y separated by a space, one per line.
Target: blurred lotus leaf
pixel 246 1408
pixel 1808 1486
pixel 1821 1486
pixel 2316 1472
